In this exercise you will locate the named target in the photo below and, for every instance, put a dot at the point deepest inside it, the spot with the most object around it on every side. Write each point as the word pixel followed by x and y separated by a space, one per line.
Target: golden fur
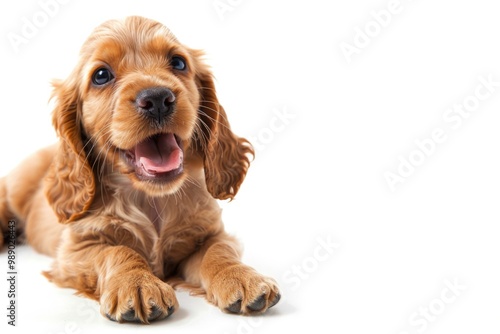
pixel 118 237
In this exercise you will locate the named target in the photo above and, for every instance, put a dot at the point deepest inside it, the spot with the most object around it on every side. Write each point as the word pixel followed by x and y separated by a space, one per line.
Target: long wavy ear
pixel 226 156
pixel 70 184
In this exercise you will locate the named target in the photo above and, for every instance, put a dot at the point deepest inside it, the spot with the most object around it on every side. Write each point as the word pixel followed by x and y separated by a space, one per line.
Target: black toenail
pixel 234 307
pixel 275 301
pixel 258 304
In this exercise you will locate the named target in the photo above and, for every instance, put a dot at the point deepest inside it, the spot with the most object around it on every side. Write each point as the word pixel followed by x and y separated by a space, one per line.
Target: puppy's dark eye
pixel 178 63
pixel 102 76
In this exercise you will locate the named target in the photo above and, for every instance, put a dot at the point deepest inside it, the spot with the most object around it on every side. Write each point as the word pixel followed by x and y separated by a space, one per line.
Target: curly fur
pixel 116 237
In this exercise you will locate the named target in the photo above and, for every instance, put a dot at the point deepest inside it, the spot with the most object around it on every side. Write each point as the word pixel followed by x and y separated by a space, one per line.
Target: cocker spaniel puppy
pixel 126 200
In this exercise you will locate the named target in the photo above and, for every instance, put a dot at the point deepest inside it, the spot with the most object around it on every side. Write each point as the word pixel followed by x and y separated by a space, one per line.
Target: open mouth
pixel 157 158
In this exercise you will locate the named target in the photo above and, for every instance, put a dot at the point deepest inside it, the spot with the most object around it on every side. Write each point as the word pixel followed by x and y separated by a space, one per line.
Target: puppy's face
pixel 141 104
pixel 140 101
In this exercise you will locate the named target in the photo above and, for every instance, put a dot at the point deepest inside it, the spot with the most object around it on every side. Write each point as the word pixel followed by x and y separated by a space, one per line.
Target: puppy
pixel 126 200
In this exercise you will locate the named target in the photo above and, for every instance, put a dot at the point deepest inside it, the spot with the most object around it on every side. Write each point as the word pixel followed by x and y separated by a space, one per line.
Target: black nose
pixel 156 103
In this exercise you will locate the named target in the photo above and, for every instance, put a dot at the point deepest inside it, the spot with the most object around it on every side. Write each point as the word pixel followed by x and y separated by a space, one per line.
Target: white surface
pixel 322 174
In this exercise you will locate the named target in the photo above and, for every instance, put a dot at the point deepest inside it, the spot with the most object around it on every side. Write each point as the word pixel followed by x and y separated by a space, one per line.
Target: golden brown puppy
pixel 127 198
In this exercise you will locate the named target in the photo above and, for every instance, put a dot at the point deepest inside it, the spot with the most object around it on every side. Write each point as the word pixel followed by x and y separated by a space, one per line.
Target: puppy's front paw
pixel 137 296
pixel 240 289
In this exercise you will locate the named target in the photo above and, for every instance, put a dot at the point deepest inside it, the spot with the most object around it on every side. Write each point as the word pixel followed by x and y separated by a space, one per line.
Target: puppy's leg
pixel 5 214
pixel 20 186
pixel 10 225
pixel 117 276
pixel 229 284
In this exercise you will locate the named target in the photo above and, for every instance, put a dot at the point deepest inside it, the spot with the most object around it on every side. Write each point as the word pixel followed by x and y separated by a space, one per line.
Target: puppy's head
pixel 141 104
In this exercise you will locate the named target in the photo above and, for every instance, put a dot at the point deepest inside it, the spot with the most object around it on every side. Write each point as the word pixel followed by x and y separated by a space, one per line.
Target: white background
pixel 319 176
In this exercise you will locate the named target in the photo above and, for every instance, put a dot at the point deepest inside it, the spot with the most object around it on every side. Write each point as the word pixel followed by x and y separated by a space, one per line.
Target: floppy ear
pixel 226 157
pixel 70 184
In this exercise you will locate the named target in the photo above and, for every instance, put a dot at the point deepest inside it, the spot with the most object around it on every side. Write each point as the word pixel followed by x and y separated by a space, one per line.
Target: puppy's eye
pixel 102 76
pixel 178 63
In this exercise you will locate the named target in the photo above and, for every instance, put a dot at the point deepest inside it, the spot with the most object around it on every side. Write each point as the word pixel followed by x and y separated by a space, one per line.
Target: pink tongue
pixel 159 154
